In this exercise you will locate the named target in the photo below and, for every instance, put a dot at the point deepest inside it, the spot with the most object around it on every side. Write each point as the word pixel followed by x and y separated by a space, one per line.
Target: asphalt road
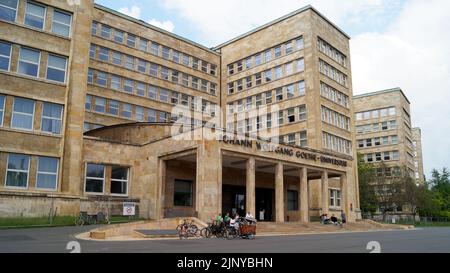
pixel 55 240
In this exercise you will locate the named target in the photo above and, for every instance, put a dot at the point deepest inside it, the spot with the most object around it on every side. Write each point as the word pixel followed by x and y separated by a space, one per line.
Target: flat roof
pixel 392 90
pixel 145 24
pixel 287 16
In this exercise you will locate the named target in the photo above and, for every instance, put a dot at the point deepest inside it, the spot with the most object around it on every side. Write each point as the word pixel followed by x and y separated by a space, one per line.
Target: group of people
pixel 333 219
pixel 235 220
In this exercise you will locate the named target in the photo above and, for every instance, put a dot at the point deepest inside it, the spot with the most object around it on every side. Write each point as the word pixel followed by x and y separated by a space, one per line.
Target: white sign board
pixel 129 209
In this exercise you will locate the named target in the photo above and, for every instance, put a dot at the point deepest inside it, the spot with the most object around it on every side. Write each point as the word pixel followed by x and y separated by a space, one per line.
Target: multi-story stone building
pixel 383 131
pixel 95 108
pixel 418 156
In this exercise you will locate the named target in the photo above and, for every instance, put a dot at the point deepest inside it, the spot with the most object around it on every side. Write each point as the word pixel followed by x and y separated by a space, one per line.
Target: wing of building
pixel 98 109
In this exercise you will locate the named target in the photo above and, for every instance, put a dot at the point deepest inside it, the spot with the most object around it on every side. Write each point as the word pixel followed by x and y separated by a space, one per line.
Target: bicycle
pixel 186 229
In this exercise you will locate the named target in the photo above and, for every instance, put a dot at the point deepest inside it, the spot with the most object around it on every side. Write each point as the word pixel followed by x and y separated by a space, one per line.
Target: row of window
pixel 331 52
pixel 335 198
pixel 389 172
pixel 152 69
pixel 266 56
pixel 336 143
pixel 30 60
pixel 378 141
pixel 333 73
pixel 268 121
pixel 124 110
pixel 96 175
pixel 23 115
pixel 374 114
pixel 35 15
pixel 295 139
pixel 153 48
pixel 376 127
pixel 153 92
pixel 292 199
pixel 266 98
pixel 334 118
pixel 266 76
pixel 332 94
pixel 18 172
pixel 382 156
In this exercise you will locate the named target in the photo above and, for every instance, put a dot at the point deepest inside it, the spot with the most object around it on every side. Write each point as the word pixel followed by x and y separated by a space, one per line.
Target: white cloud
pixel 134 11
pixel 413 54
pixel 218 21
pixel 166 25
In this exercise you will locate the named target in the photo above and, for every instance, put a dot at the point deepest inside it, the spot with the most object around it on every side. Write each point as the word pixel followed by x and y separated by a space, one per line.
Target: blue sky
pixel 395 43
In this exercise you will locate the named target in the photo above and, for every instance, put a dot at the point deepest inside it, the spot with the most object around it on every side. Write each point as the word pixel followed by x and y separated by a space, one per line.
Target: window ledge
pixel 31 132
pixel 15 74
pixel 37 30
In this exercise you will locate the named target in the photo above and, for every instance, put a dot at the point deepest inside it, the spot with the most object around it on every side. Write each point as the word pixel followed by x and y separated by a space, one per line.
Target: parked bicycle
pixel 92 219
pixel 188 229
pixel 215 228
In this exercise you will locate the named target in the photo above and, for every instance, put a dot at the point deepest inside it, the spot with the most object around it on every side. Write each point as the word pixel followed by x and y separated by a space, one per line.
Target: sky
pixel 394 43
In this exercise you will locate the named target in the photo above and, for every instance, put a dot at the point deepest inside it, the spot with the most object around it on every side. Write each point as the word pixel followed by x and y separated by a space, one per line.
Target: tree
pixel 367 176
pixel 440 189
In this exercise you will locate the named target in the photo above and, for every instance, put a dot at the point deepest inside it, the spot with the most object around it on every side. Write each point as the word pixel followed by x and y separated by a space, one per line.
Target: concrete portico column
pixel 250 187
pixel 344 203
pixel 279 192
pixel 304 202
pixel 325 206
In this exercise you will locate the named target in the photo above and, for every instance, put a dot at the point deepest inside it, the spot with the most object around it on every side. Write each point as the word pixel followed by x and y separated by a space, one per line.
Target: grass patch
pixel 58 221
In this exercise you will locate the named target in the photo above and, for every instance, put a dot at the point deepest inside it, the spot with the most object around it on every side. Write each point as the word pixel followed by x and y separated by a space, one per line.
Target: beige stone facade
pixel 418 156
pixel 89 98
pixel 384 131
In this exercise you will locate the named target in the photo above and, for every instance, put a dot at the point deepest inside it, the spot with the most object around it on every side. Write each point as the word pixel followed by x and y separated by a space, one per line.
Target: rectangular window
pixel 277 52
pixel 280 118
pixel 175 76
pixel 92 51
pixel 195 83
pixel 126 110
pixel 175 97
pixel 153 70
pixel 94 28
pixel 395 155
pixel 205 66
pixel 5 54
pixel 249 103
pixel 163 117
pixel 258 100
pixel 195 63
pixel 394 140
pixel 289 48
pixel 301 88
pixel 302 113
pixel 292 198
pixel 155 49
pixel 100 104
pixel 248 63
pixel 151 115
pixel 186 60
pixel 117 58
pixel 113 107
pixel 142 66
pixel 47 173
pixel 61 23
pixel 88 103
pixel 378 157
pixel 303 139
pixel 185 80
pixel 387 156
pixel 17 170
pixel 153 92
pixel 95 178
pixel 231 88
pixel 56 68
pixel 119 180
pixel 291 115
pixel 258 79
pixel 131 40
pixel 143 44
pixel 164 95
pixel 165 73
pixel 2 108
pixel 51 118
pixel 268 75
pixel 300 65
pixel 35 15
pixel 212 88
pixel 166 53
pixel 269 97
pixel 106 32
pixel 290 91
pixel 269 121
pixel 23 114
pixel 129 62
pixel 118 36
pixel 128 86
pixel 140 114
pixel 369 158
pixel 289 68
pixel 300 43
pixel 103 54
pixel 258 59
pixel 183 193
pixel 175 56
pixel 279 94
pixel 29 62
pixel 268 55
pixel 278 73
pixel 115 82
pixel 141 89
pixel 8 10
